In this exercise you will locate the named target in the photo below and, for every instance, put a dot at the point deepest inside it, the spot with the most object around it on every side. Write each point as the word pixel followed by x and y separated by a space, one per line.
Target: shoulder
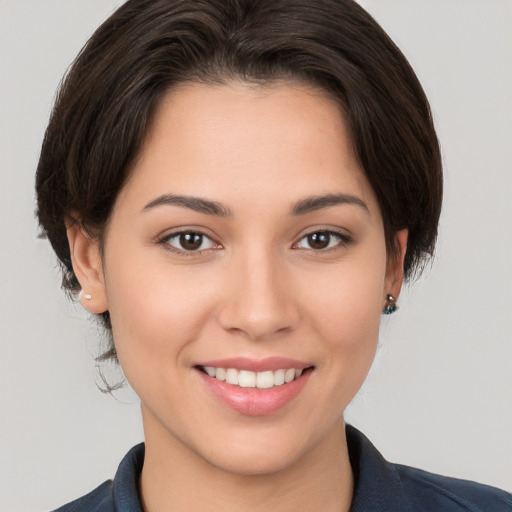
pixel 430 492
pixel 381 486
pixel 99 500
pixel 118 495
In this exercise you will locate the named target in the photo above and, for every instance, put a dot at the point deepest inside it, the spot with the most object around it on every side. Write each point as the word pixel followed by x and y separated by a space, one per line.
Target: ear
pixel 395 265
pixel 87 265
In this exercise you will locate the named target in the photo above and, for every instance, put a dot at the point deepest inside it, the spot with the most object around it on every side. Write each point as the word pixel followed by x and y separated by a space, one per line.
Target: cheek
pixel 349 300
pixel 346 313
pixel 156 312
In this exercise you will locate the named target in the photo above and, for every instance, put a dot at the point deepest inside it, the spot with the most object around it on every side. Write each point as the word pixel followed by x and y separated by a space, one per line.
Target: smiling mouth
pixel 249 379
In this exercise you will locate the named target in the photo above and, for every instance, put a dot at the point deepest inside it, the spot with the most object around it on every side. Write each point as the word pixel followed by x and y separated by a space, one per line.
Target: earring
pixel 390 306
pixel 86 296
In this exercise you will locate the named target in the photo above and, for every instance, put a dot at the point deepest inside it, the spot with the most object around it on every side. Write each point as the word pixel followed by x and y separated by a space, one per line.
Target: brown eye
pixel 319 240
pixel 189 241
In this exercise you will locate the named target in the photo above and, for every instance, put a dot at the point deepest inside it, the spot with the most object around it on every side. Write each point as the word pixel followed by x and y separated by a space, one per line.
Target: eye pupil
pixel 319 240
pixel 191 241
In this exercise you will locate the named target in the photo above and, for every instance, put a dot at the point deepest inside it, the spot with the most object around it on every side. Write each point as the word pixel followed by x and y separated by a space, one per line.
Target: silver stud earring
pixel 87 296
pixel 390 306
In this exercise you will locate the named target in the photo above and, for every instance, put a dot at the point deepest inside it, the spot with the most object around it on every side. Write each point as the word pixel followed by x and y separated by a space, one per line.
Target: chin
pixel 253 463
pixel 262 451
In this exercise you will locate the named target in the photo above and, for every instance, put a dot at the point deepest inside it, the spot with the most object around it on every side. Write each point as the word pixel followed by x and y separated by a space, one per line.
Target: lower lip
pixel 254 401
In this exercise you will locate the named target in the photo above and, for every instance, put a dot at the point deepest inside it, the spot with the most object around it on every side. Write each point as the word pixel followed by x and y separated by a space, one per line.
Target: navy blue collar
pixel 377 485
pixel 126 482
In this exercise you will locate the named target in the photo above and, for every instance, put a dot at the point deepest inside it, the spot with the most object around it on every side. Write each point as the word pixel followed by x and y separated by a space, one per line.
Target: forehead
pixel 239 140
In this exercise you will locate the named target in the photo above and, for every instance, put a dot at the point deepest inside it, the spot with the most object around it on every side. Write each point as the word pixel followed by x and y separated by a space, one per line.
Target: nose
pixel 259 301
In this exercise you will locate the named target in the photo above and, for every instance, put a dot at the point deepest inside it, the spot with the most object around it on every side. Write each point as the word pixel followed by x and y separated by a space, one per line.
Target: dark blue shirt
pixel 379 486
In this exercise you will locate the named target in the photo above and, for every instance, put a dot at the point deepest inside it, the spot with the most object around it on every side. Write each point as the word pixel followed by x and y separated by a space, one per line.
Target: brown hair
pixel 146 47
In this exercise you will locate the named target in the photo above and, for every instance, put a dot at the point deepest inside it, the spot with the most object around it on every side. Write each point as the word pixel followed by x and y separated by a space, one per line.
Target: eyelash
pixel 165 242
pixel 343 241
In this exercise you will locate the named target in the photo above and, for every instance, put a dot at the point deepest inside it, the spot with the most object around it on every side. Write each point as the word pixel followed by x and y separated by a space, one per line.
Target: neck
pixel 175 478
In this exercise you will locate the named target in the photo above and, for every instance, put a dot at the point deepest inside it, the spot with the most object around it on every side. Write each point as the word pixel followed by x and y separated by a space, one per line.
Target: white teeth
pixel 246 379
pixel 265 380
pixel 232 376
pixel 289 375
pixel 210 370
pixel 278 377
pixel 249 379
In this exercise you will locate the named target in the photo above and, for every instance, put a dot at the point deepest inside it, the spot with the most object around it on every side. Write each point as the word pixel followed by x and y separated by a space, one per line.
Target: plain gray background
pixel 440 393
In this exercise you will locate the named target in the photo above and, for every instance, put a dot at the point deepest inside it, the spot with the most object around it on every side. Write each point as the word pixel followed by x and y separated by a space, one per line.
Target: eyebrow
pixel 306 205
pixel 311 204
pixel 194 203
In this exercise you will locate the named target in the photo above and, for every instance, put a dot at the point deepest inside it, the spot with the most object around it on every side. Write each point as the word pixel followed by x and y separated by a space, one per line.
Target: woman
pixel 238 191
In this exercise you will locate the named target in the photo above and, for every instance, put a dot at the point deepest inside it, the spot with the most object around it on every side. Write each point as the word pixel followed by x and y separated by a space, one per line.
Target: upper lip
pixel 256 365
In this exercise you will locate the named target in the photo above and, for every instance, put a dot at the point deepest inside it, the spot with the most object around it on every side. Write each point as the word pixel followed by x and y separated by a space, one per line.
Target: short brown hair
pixel 146 47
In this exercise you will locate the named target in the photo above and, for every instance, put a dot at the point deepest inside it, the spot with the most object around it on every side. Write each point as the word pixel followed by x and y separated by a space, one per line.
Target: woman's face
pixel 248 240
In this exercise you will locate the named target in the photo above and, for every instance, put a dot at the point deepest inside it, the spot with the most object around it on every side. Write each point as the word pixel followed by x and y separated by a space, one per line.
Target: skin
pixel 257 289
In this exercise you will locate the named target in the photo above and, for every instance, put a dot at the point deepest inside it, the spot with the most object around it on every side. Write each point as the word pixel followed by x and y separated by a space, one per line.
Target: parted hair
pixel 110 93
